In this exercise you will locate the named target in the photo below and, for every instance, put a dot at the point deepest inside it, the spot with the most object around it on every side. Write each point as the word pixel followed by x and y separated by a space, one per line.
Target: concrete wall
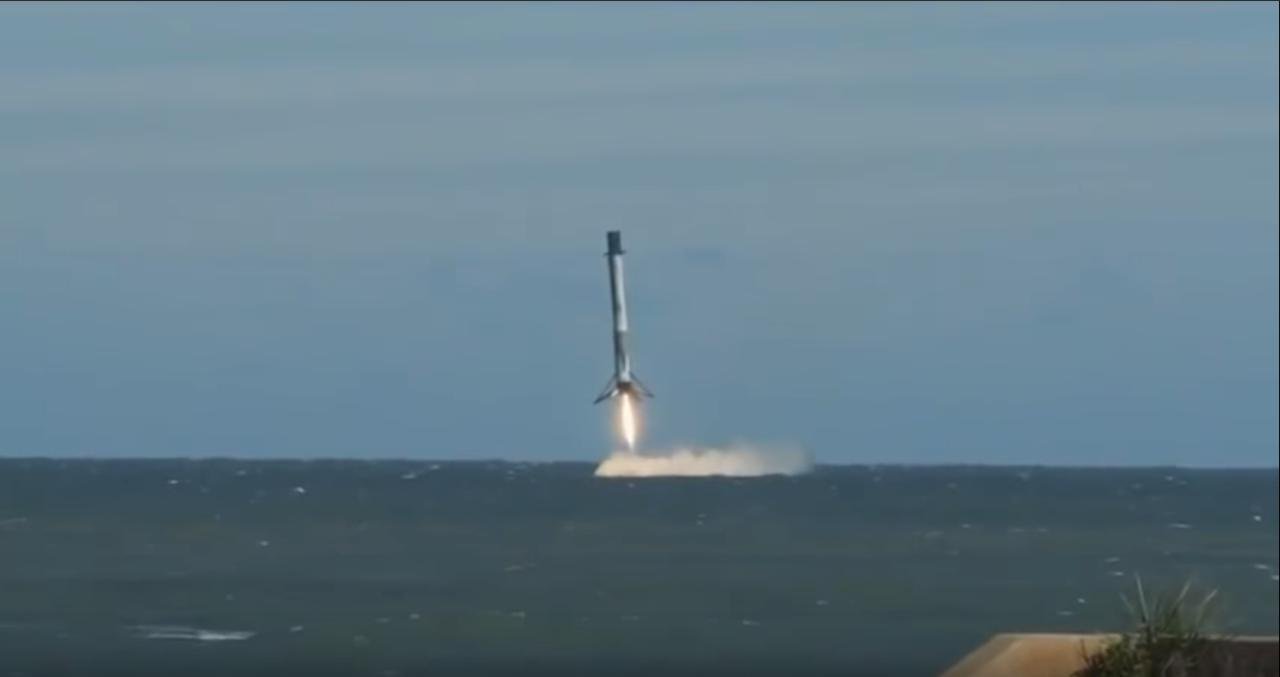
pixel 1052 655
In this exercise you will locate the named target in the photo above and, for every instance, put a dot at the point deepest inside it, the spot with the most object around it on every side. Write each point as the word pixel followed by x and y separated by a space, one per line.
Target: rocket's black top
pixel 615 242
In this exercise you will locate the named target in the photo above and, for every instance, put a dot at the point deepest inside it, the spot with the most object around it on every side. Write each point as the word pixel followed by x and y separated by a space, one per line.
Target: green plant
pixel 1168 639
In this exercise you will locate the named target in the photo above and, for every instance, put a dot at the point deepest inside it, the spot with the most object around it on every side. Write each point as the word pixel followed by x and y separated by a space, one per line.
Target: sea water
pixel 202 567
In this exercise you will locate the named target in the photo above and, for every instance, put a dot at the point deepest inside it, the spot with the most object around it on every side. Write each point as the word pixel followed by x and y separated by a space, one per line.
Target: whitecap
pixel 12 522
pixel 182 632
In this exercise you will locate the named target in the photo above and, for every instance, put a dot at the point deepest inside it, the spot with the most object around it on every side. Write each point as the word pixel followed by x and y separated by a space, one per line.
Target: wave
pixel 191 634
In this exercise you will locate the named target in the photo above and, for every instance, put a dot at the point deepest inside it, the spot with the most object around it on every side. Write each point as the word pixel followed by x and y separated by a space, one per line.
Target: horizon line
pixel 404 459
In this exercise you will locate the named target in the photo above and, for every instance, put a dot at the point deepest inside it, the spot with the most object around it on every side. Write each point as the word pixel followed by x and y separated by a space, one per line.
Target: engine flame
pixel 627 421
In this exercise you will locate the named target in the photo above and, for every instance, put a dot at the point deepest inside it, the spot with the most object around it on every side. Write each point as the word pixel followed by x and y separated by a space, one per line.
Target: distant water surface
pixel 195 567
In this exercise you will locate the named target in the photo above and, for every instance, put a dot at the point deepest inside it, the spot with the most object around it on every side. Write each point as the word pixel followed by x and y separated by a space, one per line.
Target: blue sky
pixel 886 233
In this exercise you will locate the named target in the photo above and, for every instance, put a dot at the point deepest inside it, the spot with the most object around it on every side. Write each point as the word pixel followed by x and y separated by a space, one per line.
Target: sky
pixel 990 233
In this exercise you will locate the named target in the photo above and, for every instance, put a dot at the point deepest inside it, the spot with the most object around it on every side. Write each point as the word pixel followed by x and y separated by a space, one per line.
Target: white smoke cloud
pixel 733 461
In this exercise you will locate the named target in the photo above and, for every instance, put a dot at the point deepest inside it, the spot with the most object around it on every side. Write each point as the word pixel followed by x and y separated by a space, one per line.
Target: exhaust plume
pixel 627 421
pixel 733 461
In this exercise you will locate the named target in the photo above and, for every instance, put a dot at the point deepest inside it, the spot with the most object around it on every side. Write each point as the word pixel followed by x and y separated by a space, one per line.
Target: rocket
pixel 623 382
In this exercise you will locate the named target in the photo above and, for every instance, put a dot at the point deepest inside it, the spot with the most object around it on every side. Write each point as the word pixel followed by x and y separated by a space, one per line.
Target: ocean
pixel 238 567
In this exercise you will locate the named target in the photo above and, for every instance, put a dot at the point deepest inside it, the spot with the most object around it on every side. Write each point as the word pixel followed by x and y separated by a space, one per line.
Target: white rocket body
pixel 623 381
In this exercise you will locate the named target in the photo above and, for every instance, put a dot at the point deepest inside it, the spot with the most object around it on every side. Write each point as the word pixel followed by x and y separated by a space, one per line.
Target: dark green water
pixel 393 567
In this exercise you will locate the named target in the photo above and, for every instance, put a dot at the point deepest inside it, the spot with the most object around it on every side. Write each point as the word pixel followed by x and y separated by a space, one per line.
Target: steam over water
pixel 738 461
